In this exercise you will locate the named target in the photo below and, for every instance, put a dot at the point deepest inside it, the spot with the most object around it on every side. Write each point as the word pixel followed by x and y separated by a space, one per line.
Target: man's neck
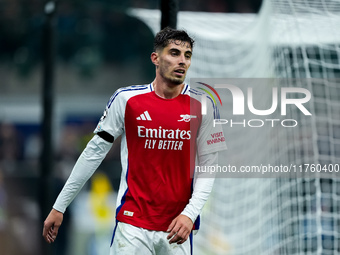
pixel 167 90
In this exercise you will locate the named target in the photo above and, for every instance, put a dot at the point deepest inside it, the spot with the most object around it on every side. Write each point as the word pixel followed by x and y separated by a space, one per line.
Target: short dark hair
pixel 163 38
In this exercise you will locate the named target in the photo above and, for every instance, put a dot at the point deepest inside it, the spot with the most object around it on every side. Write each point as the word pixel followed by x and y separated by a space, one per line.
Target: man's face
pixel 174 61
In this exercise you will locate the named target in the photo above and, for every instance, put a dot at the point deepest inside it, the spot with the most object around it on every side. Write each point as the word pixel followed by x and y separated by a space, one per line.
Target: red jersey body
pixel 157 135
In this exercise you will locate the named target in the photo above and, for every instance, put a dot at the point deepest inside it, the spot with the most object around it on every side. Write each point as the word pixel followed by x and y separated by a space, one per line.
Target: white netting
pixel 287 39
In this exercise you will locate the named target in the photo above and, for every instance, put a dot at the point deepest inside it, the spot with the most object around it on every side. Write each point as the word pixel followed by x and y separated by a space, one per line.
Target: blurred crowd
pixel 89 32
pixel 20 149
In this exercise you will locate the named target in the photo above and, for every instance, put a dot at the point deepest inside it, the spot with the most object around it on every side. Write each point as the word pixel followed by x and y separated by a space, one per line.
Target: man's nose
pixel 182 59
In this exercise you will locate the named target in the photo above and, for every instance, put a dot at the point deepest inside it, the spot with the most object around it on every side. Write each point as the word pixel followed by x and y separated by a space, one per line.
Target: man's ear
pixel 154 58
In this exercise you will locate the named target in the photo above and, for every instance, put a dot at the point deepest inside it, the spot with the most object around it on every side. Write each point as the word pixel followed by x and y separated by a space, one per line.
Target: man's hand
pixel 51 225
pixel 180 229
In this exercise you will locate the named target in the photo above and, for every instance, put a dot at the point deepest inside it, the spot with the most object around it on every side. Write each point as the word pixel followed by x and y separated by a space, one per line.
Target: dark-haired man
pixel 162 132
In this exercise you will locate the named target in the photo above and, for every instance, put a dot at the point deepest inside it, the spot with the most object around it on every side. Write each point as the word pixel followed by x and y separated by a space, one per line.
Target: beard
pixel 174 80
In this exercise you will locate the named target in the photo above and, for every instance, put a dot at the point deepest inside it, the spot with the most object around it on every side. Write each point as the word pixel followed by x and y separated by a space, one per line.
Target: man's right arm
pixel 86 165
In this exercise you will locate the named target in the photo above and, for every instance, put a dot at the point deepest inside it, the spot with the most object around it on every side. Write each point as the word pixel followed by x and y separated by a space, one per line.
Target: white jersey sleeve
pixel 112 120
pixel 84 168
pixel 210 139
pixel 202 188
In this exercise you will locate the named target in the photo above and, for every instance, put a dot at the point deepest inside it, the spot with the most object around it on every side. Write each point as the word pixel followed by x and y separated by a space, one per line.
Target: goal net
pixel 297 41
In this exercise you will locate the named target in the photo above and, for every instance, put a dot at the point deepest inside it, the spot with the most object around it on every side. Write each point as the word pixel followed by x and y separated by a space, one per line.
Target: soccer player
pixel 163 132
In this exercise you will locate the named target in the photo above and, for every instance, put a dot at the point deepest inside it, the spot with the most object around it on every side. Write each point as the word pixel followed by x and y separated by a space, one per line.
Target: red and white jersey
pixel 160 138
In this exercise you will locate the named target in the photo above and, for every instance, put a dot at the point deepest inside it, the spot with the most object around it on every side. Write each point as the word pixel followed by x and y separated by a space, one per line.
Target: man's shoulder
pixel 124 93
pixel 195 94
pixel 133 89
pixel 201 97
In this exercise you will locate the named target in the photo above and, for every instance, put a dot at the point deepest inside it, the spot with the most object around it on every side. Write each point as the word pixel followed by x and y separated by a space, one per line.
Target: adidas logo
pixel 144 116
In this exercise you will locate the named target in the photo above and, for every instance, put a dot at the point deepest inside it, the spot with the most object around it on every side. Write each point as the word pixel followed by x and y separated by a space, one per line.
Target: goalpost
pixel 290 39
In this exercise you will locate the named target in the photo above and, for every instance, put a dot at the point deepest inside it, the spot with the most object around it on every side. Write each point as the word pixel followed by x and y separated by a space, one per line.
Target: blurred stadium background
pixel 103 45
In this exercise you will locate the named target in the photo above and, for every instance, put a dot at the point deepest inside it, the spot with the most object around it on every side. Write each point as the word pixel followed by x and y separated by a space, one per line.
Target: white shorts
pixel 130 240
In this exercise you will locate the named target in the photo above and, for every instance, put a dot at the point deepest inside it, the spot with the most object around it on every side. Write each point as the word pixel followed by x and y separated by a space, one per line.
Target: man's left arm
pixel 181 227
